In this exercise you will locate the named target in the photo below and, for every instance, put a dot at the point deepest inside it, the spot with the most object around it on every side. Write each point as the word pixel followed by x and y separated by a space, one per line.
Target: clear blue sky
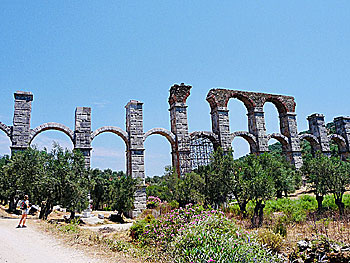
pixel 103 53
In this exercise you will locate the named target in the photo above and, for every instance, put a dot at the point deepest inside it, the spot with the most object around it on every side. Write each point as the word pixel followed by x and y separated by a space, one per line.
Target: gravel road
pixel 31 245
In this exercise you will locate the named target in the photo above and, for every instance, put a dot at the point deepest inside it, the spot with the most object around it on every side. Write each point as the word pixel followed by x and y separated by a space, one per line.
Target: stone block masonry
pixel 21 134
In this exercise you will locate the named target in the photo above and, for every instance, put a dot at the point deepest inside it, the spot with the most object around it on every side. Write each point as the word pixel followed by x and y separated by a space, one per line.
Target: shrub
pixel 270 239
pixel 137 228
pixel 295 210
pixel 174 204
pixel 153 201
pixel 193 234
pixel 165 228
pixel 280 227
pixel 216 239
pixel 346 201
pixel 233 209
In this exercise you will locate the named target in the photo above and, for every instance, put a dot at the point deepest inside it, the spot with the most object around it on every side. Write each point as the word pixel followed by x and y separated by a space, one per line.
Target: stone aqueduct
pixel 21 134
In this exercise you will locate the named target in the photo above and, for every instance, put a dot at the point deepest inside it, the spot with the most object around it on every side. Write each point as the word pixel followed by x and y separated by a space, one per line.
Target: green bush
pixel 233 209
pixel 346 201
pixel 138 228
pixel 280 227
pixel 217 240
pixel 174 204
pixel 270 239
pixel 295 210
pixel 328 203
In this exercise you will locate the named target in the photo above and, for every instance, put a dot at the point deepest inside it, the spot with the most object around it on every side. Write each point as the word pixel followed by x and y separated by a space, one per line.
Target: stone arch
pixel 51 126
pixel 247 101
pixel 221 97
pixel 116 130
pixel 280 138
pixel 340 141
pixel 6 129
pixel 280 105
pixel 205 134
pixel 250 138
pixel 312 139
pixel 161 131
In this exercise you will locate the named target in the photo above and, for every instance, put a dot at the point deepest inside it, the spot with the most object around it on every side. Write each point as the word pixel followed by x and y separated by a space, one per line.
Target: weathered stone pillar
pixel 342 128
pixel 288 125
pixel 220 122
pixel 82 132
pixel 21 121
pixel 135 153
pixel 179 126
pixel 256 126
pixel 317 127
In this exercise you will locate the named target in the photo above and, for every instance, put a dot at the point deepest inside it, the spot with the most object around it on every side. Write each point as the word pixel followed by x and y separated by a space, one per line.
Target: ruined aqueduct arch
pixel 21 135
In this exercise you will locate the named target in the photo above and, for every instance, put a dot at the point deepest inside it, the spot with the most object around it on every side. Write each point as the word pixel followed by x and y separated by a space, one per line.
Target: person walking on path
pixel 25 209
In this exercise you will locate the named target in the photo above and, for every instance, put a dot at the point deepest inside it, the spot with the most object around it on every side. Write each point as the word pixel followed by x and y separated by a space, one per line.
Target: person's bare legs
pixel 20 221
pixel 24 220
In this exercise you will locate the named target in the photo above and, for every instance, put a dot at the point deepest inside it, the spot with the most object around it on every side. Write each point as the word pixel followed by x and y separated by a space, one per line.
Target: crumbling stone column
pixel 21 121
pixel 135 153
pixel 179 126
pixel 288 125
pixel 82 132
pixel 342 128
pixel 317 127
pixel 220 122
pixel 256 126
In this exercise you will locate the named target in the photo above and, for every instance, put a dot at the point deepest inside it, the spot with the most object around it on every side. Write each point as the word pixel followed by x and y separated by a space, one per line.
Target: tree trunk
pixel 12 205
pixel 319 199
pixel 261 214
pixel 243 208
pixel 340 204
pixel 46 209
pixel 279 194
pixel 255 219
pixel 72 215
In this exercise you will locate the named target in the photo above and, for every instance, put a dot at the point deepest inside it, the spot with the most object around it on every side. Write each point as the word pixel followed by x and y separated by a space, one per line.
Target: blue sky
pixel 102 54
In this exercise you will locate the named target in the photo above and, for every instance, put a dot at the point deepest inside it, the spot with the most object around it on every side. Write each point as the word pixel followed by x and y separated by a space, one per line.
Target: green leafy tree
pixel 260 182
pixel 318 171
pixel 122 191
pixel 100 185
pixel 339 181
pixel 3 179
pixel 66 182
pixel 190 189
pixel 286 178
pixel 219 178
pixel 22 175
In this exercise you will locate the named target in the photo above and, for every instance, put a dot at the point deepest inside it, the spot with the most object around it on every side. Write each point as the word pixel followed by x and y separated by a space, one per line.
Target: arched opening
pixel 341 146
pixel 272 121
pixel 240 147
pixel 108 152
pixel 275 146
pixel 5 144
pixel 280 143
pixel 237 115
pixel 309 144
pixel 46 139
pixel 157 155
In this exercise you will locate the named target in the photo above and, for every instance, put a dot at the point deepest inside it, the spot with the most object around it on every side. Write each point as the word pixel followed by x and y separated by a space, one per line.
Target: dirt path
pixel 31 245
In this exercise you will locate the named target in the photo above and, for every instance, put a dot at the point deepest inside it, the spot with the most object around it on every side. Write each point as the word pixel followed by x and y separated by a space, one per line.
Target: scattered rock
pixel 106 230
pixel 92 220
pixel 101 216
pixel 303 245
